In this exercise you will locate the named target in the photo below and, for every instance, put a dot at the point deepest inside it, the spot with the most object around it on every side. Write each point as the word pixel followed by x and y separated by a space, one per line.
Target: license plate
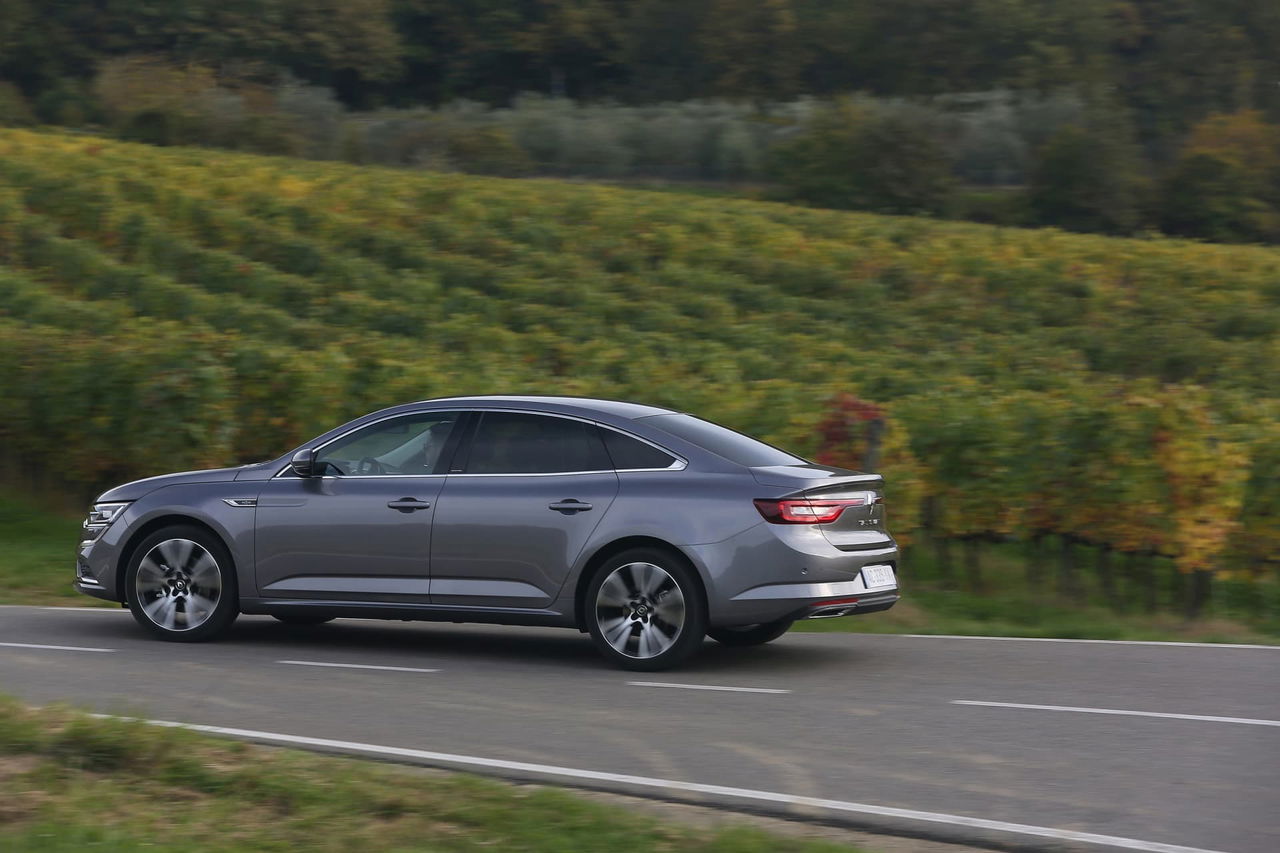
pixel 878 576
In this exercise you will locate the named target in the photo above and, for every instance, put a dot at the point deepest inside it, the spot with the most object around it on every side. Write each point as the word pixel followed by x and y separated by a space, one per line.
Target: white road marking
pixel 90 609
pixel 56 648
pixel 551 770
pixel 706 687
pixel 1073 640
pixel 1202 718
pixel 357 666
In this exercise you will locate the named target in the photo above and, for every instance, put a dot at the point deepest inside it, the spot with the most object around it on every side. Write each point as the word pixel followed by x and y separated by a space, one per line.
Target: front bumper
pixel 95 569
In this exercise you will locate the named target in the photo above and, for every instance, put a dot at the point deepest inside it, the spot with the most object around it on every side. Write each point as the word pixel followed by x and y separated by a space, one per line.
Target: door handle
pixel 408 504
pixel 569 505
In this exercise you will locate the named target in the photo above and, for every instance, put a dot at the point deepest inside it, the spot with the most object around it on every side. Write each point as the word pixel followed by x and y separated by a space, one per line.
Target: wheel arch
pixel 159 523
pixel 612 549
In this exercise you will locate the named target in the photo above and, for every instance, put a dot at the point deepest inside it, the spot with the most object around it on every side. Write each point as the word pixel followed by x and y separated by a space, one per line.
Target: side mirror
pixel 303 463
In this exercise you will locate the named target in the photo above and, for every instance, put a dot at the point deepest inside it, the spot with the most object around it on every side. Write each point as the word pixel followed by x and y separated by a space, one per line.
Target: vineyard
pixel 171 308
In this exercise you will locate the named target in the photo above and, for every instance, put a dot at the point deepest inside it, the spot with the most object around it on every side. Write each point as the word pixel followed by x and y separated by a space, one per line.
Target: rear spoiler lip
pixel 832 485
pixel 844 484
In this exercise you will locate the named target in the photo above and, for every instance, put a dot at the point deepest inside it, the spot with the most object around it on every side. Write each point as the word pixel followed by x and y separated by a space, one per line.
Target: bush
pixel 1226 184
pixel 14 109
pixel 1087 181
pixel 67 103
pixel 487 151
pixel 852 157
pixel 991 206
pixel 1212 198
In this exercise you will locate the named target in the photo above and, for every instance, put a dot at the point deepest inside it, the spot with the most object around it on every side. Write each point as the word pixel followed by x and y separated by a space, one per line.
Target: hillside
pixel 170 308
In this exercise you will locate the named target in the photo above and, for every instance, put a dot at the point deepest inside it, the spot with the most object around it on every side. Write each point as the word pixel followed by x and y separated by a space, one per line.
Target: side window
pixel 509 443
pixel 629 453
pixel 400 446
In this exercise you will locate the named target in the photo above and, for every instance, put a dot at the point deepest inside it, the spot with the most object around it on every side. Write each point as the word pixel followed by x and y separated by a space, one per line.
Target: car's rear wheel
pixel 182 585
pixel 750 635
pixel 302 618
pixel 646 610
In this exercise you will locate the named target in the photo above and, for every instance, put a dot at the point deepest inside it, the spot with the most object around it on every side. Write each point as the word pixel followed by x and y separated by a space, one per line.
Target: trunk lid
pixel 858 527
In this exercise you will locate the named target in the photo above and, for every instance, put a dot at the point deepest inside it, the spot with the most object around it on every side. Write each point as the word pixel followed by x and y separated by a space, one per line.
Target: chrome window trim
pixel 679 463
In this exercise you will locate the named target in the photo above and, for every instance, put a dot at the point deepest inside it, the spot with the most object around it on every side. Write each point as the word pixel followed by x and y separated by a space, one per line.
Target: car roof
pixel 616 408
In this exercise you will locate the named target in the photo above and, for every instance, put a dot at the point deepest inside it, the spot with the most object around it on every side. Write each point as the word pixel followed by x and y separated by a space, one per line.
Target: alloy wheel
pixel 179 585
pixel 640 610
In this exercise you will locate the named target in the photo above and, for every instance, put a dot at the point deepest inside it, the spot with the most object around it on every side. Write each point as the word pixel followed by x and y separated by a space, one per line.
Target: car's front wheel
pixel 181 584
pixel 646 610
pixel 750 635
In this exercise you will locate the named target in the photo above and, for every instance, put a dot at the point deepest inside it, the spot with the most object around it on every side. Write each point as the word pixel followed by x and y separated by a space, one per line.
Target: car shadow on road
pixel 447 645
pixel 444 644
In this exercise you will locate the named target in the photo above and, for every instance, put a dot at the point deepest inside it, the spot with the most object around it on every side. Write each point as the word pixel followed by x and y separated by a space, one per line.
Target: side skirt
pixel 409 612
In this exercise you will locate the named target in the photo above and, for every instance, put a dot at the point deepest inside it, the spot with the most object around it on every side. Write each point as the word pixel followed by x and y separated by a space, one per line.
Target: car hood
pixel 138 488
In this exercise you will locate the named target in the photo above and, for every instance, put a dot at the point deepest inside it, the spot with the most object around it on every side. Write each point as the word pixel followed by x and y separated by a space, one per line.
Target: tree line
pixel 1170 61
pixel 1095 115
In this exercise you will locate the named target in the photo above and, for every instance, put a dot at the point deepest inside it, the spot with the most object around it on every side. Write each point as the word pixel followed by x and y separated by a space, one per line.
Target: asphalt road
pixel 854 728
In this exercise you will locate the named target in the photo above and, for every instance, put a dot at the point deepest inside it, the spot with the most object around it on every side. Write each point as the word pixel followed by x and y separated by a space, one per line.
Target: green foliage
pixel 1225 186
pixel 855 158
pixel 118 785
pixel 488 151
pixel 1115 392
pixel 14 109
pixel 1086 180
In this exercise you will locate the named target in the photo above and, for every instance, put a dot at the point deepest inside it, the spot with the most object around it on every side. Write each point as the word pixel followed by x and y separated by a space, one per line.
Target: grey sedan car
pixel 646 528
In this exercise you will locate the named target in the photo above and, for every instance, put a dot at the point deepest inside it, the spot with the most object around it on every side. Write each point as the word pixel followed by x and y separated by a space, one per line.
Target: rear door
pixel 521 501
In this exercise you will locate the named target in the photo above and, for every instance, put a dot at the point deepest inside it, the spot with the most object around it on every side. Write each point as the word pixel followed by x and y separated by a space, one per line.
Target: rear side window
pixel 722 441
pixel 630 454
pixel 509 443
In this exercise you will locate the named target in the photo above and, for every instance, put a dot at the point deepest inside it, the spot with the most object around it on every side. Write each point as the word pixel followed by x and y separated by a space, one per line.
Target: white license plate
pixel 878 576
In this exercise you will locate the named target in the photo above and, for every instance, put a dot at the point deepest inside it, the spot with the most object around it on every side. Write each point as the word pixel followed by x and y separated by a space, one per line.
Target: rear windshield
pixel 722 441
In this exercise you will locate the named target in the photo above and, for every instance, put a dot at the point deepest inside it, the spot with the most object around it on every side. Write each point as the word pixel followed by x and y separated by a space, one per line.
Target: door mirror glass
pixel 303 463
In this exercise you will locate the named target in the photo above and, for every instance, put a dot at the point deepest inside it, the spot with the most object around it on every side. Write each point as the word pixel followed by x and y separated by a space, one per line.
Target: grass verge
pixel 69 781
pixel 37 556
pixel 38 549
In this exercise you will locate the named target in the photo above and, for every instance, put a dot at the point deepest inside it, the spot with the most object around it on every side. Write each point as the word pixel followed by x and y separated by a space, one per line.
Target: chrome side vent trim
pixel 248 503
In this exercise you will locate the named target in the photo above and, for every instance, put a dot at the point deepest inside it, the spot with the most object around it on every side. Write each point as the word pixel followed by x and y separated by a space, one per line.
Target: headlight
pixel 100 518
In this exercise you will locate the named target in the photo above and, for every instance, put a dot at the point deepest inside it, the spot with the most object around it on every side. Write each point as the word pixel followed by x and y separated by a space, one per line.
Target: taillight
pixel 808 510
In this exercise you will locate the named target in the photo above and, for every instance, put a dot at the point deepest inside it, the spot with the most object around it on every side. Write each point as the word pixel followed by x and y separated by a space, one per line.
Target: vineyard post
pixel 972 546
pixel 1105 577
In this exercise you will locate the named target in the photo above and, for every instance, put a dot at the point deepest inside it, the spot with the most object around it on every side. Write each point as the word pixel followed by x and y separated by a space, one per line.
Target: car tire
pixel 181 584
pixel 646 610
pixel 302 618
pixel 750 635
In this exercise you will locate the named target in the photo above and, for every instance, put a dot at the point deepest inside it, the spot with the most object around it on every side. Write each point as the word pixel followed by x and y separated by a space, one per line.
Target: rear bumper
pixel 773 572
pixel 871 602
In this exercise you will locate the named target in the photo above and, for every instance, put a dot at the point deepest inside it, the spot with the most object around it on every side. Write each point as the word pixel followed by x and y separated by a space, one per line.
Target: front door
pixel 362 530
pixel 518 511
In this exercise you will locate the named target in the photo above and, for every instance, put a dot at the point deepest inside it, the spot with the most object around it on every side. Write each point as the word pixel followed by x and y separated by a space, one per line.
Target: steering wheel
pixel 331 466
pixel 369 465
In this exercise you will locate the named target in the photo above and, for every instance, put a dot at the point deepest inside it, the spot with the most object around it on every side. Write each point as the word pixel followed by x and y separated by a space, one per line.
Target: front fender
pixel 203 503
